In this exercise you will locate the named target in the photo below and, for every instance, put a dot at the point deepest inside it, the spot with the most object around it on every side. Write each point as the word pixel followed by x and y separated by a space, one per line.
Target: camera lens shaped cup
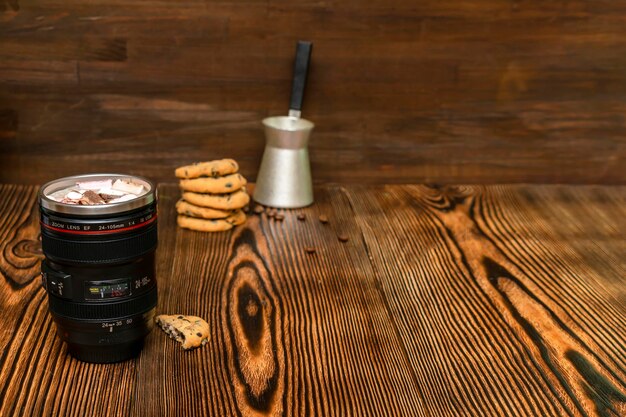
pixel 99 269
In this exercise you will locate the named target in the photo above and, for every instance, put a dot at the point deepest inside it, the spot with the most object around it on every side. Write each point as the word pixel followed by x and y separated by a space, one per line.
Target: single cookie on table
pixel 231 201
pixel 217 168
pixel 210 225
pixel 191 331
pixel 191 210
pixel 218 185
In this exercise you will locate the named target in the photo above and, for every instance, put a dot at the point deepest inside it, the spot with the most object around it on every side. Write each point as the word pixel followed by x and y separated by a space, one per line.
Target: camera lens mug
pixel 99 269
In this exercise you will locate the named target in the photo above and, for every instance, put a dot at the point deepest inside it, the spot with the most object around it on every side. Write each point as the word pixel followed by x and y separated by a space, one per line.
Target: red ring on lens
pixel 99 232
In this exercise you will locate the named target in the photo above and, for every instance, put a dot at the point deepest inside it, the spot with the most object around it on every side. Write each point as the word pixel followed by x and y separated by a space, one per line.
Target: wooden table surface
pixel 498 300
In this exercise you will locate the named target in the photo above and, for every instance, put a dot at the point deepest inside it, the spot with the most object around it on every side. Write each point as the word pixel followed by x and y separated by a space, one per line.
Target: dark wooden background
pixel 477 91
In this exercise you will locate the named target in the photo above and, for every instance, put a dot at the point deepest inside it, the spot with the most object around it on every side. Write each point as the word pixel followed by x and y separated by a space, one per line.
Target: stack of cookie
pixel 214 195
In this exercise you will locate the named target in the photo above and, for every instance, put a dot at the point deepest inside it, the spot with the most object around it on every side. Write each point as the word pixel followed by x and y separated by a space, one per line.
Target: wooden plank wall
pixel 483 91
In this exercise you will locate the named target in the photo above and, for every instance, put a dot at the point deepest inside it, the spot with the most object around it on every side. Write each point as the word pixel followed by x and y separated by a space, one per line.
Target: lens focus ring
pixel 111 250
pixel 93 311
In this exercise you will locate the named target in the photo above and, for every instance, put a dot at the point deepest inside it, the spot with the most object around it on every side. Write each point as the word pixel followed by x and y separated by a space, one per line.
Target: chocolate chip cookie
pixel 191 210
pixel 191 331
pixel 231 201
pixel 217 168
pixel 217 185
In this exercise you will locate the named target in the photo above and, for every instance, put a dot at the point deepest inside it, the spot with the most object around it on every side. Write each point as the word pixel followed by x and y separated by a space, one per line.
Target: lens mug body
pixel 99 269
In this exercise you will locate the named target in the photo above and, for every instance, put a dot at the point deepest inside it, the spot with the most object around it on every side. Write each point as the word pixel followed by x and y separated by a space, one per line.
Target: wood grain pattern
pixel 499 300
pixel 288 335
pixel 37 375
pixel 400 91
pixel 519 294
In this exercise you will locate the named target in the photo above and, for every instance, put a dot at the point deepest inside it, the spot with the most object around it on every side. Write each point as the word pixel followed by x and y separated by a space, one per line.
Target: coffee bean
pixel 309 249
pixel 301 217
pixel 323 219
pixel 280 217
pixel 271 212
pixel 258 209
pixel 246 209
pixel 342 237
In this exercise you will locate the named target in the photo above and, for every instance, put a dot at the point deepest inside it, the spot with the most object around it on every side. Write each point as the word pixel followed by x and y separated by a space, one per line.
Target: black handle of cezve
pixel 300 70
